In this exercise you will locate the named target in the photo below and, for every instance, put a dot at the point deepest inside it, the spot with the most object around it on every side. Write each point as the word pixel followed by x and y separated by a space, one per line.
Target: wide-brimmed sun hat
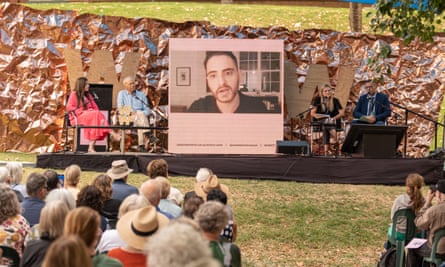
pixel 119 169
pixel 203 188
pixel 136 226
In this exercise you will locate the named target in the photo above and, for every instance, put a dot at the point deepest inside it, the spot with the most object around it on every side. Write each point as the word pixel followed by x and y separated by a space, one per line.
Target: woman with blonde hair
pixel 13 226
pixel 69 251
pixel 16 172
pixel 72 179
pixel 52 219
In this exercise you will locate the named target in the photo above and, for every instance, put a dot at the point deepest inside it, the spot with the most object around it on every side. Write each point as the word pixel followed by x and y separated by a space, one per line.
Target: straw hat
pixel 136 226
pixel 119 169
pixel 203 188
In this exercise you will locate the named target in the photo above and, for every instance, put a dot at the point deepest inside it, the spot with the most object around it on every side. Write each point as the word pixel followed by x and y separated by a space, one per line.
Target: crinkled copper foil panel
pixel 33 79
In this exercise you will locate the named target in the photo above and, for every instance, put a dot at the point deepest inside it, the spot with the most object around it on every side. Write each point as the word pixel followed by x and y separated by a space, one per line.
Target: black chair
pixel 399 239
pixel 11 254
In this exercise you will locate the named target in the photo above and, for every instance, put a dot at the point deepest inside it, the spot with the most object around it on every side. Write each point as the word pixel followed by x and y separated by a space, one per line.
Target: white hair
pixel 4 175
pixel 15 171
pixel 203 174
pixel 63 195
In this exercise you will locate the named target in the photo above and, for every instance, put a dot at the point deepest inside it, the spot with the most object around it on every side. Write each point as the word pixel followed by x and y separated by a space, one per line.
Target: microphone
pixel 95 96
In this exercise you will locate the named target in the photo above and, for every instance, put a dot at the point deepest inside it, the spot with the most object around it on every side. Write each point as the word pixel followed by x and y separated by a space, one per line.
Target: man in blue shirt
pixel 32 205
pixel 119 172
pixel 137 100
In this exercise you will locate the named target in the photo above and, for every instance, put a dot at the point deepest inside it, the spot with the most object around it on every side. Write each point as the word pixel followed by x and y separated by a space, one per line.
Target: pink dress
pixel 91 116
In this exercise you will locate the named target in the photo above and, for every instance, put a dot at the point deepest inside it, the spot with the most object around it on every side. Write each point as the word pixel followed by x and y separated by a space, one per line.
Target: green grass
pixel 290 224
pixel 291 17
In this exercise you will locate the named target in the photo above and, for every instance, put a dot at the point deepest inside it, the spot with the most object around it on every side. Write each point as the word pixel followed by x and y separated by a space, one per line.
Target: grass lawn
pixel 296 224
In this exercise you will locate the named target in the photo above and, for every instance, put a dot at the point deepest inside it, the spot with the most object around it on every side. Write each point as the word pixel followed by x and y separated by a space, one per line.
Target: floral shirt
pixel 13 232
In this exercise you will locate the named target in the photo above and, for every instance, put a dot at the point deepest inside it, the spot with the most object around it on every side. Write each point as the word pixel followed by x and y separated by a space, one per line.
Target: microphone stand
pixel 300 122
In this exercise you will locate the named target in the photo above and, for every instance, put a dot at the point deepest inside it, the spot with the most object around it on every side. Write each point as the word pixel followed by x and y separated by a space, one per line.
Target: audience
pixel 159 167
pixel 32 205
pixel 165 204
pixel 212 182
pixel 6 179
pixel 191 205
pixel 51 224
pixel 110 207
pixel 212 217
pixel 53 180
pixel 230 231
pixel 16 171
pixel 69 251
pixel 90 196
pixel 13 226
pixel 119 172
pixel 430 218
pixel 110 238
pixel 179 245
pixel 413 199
pixel 72 178
pixel 135 228
pixel 85 223
pixel 151 189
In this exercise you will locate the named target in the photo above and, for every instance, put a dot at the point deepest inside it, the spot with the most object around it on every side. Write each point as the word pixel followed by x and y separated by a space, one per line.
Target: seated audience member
pixel 16 172
pixel 32 205
pixel 191 205
pixel 85 223
pixel 413 199
pixel 53 180
pixel 13 226
pixel 430 218
pixel 69 251
pixel 135 228
pixel 151 189
pixel 212 217
pixel 230 231
pixel 90 196
pixel 203 188
pixel 165 204
pixel 119 172
pixel 110 238
pixel 51 224
pixel 6 179
pixel 110 207
pixel 159 167
pixel 72 178
pixel 177 245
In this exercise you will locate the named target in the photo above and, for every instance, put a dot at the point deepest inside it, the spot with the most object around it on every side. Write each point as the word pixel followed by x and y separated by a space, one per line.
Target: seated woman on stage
pixel 84 111
pixel 328 111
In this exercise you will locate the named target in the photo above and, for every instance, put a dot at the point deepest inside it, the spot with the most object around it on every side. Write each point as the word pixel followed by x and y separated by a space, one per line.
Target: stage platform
pixel 283 167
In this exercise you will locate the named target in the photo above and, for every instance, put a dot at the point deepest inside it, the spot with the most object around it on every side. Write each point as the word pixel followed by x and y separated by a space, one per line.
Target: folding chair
pixel 399 239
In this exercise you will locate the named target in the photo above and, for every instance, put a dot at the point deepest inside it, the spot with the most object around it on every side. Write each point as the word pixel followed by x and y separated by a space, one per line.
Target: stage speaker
pixel 293 147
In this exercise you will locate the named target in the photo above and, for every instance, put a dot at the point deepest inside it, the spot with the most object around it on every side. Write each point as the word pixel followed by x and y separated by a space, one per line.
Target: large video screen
pixel 225 96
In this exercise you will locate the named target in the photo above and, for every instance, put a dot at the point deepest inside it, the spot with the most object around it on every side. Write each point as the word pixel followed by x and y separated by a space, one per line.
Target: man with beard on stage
pixel 222 76
pixel 373 107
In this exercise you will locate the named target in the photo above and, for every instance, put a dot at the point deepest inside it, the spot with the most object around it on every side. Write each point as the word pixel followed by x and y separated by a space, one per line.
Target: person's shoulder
pixel 202 104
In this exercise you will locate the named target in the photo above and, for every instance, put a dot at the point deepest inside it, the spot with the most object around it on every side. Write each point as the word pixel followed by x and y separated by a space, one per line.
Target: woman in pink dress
pixel 84 111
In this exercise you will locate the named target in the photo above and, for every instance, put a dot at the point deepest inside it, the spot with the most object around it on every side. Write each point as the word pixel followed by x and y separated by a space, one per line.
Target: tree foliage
pixel 409 19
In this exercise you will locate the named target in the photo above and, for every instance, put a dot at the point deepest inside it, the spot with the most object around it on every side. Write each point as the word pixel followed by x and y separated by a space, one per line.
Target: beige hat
pixel 119 169
pixel 203 188
pixel 136 226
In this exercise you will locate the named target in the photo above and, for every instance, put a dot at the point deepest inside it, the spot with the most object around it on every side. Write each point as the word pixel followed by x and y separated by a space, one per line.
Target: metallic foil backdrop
pixel 33 79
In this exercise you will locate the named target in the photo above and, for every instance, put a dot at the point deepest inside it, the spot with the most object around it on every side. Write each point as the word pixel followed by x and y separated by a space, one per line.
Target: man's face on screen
pixel 222 78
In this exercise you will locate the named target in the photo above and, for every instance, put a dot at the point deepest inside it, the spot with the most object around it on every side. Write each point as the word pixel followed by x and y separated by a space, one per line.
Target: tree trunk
pixel 355 17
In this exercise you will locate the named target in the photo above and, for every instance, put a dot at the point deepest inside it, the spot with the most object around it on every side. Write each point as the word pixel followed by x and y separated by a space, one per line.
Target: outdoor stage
pixel 284 167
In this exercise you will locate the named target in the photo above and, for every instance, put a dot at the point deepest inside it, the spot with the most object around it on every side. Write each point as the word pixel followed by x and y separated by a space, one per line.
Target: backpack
pixel 388 258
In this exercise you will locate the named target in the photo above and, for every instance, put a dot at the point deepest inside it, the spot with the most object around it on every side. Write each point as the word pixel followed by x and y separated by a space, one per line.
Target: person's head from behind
pixel 69 251
pixel 52 219
pixel 178 245
pixel 132 202
pixel 212 217
pixel 157 167
pixel 103 183
pixel 129 84
pixel 36 185
pixel 84 222
pixel 191 205
pixel 90 196
pixel 119 170
pixel 165 186
pixel 217 195
pixel 4 175
pixel 222 76
pixel 9 203
pixel 53 179
pixel 15 171
pixel 61 194
pixel 203 174
pixel 151 189
pixel 72 175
